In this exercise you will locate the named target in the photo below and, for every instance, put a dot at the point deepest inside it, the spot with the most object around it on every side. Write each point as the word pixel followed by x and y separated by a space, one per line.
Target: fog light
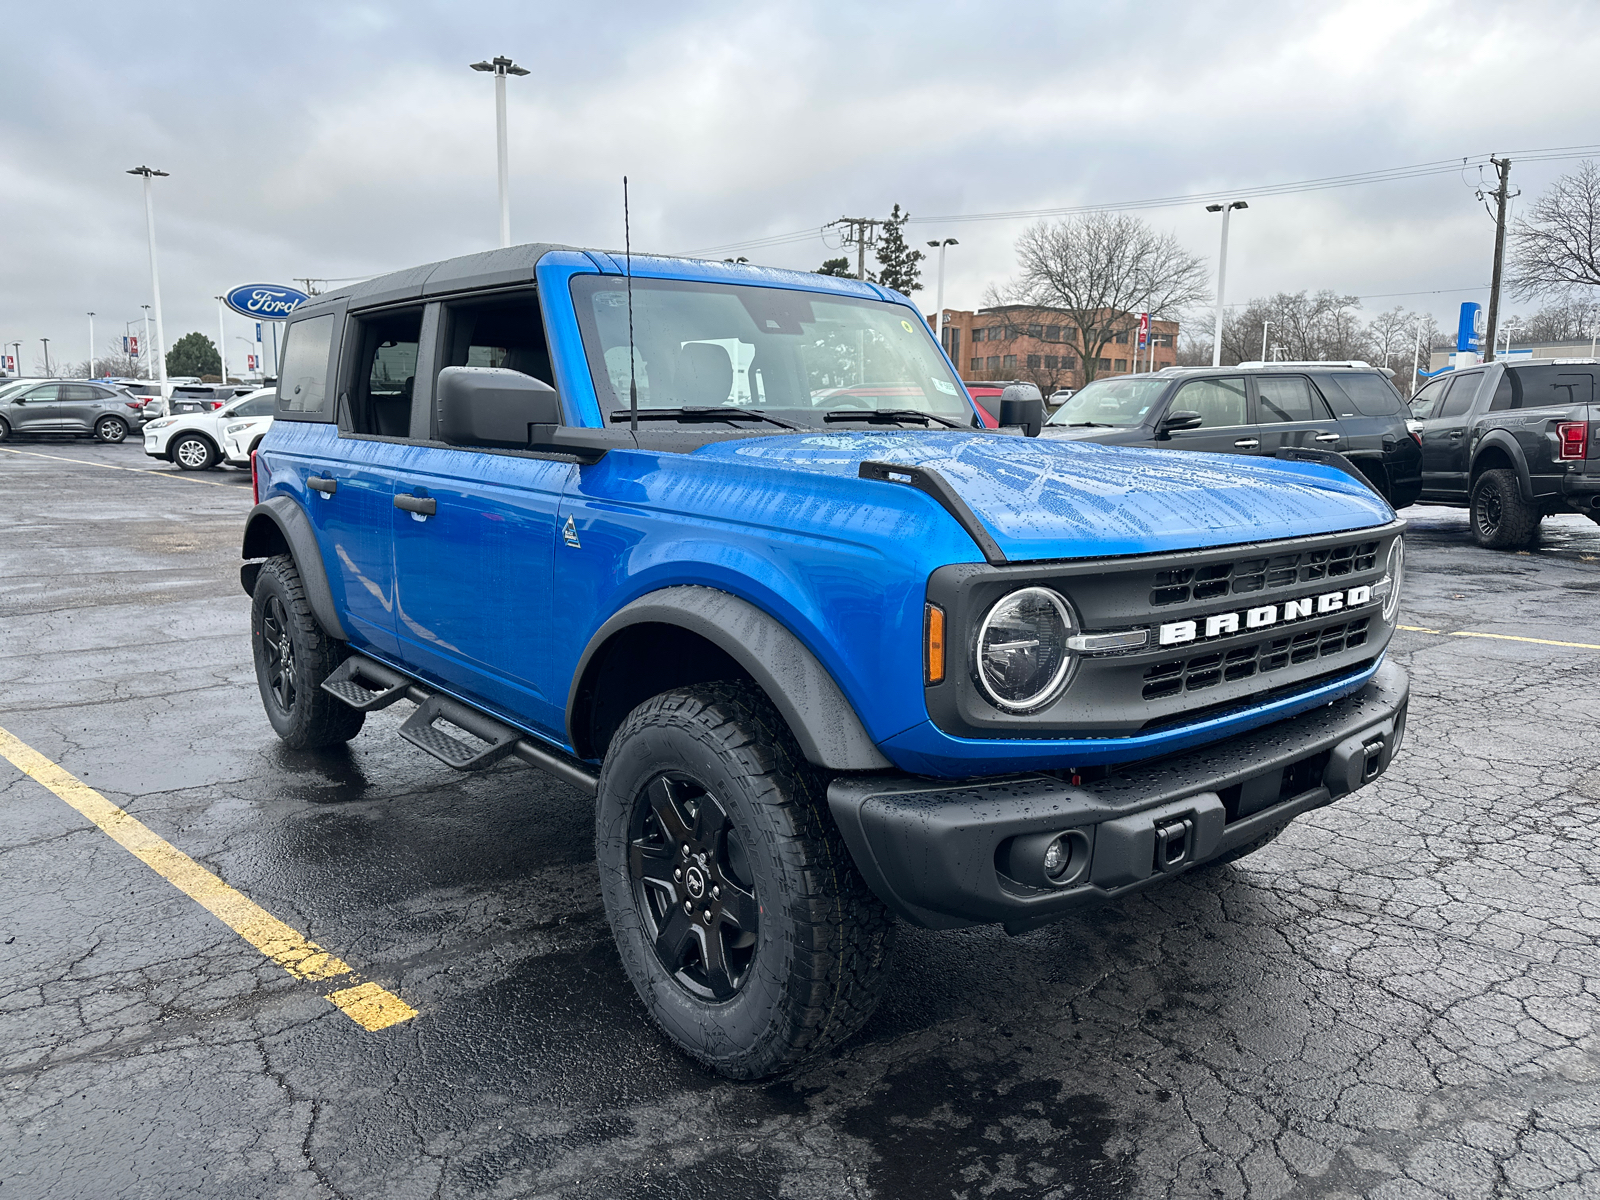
pixel 1047 860
pixel 1057 857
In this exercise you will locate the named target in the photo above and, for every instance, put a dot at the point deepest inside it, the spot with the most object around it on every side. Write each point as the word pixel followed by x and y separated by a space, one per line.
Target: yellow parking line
pixel 368 1004
pixel 89 462
pixel 1500 637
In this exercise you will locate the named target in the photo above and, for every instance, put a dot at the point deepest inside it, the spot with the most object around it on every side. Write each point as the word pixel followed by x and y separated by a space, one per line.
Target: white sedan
pixel 194 440
pixel 239 438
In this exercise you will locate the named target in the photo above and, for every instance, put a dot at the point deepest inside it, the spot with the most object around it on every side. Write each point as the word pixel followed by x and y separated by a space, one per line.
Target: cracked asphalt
pixel 1397 998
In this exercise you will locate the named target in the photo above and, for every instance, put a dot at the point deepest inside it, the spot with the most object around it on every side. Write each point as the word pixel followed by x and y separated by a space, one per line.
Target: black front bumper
pixel 944 854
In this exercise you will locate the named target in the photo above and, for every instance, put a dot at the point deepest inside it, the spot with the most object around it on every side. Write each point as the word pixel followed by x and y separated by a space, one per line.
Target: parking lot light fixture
pixel 501 67
pixel 46 342
pixel 88 372
pixel 939 319
pixel 222 341
pixel 1222 274
pixel 150 173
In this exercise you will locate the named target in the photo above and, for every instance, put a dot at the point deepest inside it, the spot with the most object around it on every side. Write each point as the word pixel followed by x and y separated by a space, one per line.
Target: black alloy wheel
pixel 293 654
pixel 110 430
pixel 1501 518
pixel 691 881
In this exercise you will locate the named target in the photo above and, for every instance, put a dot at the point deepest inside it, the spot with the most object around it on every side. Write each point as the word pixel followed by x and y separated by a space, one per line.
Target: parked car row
pixel 202 438
pixel 78 407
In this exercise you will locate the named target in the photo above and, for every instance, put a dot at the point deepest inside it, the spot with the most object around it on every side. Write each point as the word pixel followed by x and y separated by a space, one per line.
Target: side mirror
pixel 1021 404
pixel 1181 419
pixel 493 406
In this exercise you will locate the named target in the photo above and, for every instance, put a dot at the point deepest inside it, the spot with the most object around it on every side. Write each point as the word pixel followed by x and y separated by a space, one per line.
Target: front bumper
pixel 936 852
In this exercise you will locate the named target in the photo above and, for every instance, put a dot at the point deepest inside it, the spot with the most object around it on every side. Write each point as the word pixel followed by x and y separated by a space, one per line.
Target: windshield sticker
pixel 948 388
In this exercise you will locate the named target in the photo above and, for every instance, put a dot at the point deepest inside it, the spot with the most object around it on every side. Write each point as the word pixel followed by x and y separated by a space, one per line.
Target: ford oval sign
pixel 265 301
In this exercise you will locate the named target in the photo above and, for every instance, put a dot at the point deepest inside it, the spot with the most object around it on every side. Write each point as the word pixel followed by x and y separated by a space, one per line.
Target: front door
pixel 1444 439
pixel 1225 426
pixel 39 410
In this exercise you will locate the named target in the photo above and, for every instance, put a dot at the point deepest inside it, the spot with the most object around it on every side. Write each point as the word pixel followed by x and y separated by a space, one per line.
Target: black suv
pixel 1256 409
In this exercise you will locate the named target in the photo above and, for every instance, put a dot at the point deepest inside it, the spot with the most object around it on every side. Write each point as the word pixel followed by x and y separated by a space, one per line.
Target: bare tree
pixel 1569 317
pixel 1099 269
pixel 1557 246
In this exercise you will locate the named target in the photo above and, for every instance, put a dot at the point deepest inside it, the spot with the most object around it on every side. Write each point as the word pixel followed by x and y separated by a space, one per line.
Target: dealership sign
pixel 265 301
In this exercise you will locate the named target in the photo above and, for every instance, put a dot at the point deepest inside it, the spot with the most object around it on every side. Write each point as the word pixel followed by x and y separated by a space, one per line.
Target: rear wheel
pixel 739 917
pixel 293 655
pixel 110 430
pixel 1501 518
pixel 193 453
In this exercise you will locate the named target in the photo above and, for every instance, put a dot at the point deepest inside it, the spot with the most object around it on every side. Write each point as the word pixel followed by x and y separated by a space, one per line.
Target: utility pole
pixel 859 232
pixel 1501 194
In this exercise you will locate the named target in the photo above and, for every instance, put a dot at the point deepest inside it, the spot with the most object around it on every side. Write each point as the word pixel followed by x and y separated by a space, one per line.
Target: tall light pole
pixel 46 342
pixel 1222 273
pixel 155 278
pixel 1264 325
pixel 222 342
pixel 939 321
pixel 89 372
pixel 144 357
pixel 502 66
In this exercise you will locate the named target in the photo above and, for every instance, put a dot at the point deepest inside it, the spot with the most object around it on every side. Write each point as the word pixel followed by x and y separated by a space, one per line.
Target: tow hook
pixel 1174 843
pixel 1371 758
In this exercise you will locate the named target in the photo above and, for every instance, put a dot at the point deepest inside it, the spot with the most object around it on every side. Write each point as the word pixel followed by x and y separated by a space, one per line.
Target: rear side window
pixel 303 379
pixel 1370 395
pixel 1288 398
pixel 1220 402
pixel 1542 387
pixel 1461 395
pixel 384 372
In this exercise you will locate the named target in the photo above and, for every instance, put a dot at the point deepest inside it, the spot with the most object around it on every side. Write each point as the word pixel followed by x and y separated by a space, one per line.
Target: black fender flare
pixel 822 719
pixel 280 526
pixel 1500 439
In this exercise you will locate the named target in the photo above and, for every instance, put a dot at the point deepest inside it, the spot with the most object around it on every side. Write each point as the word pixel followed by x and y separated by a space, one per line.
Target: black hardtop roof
pixel 489 268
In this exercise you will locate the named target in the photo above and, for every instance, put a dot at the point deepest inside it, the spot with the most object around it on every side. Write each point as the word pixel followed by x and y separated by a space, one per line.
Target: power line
pixel 1442 166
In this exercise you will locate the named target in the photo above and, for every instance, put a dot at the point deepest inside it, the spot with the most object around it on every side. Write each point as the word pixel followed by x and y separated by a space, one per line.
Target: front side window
pixel 793 354
pixel 303 378
pixel 1288 398
pixel 1110 402
pixel 48 394
pixel 1220 402
pixel 1426 400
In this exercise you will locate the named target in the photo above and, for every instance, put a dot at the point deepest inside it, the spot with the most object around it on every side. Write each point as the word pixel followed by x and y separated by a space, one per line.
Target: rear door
pixel 1290 413
pixel 1224 409
pixel 80 405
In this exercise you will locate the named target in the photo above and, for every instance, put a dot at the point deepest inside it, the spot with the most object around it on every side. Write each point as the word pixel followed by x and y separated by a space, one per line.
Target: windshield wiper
pixel 1088 425
pixel 887 414
pixel 704 412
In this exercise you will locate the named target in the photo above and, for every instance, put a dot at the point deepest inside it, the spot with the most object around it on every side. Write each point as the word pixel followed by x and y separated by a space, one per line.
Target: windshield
pixel 1122 401
pixel 803 357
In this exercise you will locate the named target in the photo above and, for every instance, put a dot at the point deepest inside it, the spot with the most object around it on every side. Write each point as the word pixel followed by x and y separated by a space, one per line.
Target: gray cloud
pixel 312 140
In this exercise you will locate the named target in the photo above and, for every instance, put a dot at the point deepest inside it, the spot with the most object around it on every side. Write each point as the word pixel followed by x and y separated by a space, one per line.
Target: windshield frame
pixel 897 395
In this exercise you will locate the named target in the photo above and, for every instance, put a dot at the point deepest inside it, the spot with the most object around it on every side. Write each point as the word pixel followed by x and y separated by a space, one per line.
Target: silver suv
pixel 71 407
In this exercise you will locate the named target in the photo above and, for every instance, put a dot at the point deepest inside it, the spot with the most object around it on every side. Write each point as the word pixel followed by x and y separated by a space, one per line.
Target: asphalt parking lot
pixel 1398 998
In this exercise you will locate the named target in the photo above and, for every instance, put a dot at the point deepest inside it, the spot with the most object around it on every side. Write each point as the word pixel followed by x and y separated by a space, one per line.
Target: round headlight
pixel 1022 652
pixel 1395 568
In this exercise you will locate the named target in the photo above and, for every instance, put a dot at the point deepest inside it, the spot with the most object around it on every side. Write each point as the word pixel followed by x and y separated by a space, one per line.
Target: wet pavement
pixel 1397 998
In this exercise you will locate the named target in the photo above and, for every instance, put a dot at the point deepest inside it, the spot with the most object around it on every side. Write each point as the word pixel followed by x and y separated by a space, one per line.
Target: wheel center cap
pixel 694 879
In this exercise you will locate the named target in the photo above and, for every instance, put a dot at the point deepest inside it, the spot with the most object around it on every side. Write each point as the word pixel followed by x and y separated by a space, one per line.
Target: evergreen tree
pixel 897 262
pixel 836 266
pixel 194 354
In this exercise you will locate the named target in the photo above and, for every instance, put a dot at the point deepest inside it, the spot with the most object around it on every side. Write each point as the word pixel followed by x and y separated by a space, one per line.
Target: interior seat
pixel 704 374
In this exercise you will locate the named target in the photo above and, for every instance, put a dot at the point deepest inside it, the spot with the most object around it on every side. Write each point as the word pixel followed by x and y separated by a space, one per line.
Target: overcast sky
pixel 333 140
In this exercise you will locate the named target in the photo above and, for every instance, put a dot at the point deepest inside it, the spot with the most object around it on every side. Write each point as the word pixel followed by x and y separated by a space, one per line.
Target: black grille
pixel 1185 584
pixel 1227 664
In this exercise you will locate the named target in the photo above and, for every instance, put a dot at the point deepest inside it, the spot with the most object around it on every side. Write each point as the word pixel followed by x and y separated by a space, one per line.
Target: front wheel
pixel 739 917
pixel 5 429
pixel 1501 518
pixel 193 453
pixel 293 655
pixel 110 430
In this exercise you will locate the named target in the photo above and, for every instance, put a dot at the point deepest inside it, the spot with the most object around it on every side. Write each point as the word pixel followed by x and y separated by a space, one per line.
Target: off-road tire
pixel 111 431
pixel 821 949
pixel 201 457
pixel 302 714
pixel 1501 518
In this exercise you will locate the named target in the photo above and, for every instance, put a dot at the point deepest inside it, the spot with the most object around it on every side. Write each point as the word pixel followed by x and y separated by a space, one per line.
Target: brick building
pixel 1041 345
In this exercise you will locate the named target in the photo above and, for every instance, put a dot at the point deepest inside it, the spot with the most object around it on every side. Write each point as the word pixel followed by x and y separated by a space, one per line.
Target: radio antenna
pixel 627 256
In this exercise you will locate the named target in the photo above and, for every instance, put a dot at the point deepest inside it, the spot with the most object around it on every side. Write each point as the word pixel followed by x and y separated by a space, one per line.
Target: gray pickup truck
pixel 1514 442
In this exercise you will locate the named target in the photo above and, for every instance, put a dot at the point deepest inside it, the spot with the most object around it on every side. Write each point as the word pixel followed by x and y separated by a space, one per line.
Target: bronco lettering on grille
pixel 1175 633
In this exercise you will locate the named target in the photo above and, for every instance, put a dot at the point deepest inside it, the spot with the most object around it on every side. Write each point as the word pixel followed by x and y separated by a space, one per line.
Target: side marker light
pixel 932 644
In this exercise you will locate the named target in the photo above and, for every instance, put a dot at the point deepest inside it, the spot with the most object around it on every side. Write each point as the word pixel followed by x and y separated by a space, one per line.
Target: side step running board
pixel 367 685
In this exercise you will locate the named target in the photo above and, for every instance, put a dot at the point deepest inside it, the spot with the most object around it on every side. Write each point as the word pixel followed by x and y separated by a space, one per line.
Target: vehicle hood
pixel 1046 498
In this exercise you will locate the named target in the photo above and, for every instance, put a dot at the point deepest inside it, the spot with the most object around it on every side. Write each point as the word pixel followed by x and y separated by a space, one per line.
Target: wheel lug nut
pixel 677 873
pixel 708 916
pixel 716 893
pixel 685 850
pixel 688 907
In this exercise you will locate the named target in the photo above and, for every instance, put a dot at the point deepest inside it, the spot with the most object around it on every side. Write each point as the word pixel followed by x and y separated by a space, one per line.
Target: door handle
pixel 1247 443
pixel 326 486
pixel 1327 437
pixel 421 505
pixel 1456 433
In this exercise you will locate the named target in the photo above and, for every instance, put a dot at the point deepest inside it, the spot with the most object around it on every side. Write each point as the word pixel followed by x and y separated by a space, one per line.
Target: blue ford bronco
pixel 728 548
